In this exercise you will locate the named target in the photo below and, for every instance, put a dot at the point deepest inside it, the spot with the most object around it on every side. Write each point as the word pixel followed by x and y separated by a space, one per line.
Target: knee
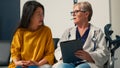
pixel 84 65
pixel 46 66
pixel 64 65
pixel 33 66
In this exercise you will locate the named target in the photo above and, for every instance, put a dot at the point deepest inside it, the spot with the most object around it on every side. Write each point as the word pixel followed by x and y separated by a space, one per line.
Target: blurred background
pixel 58 18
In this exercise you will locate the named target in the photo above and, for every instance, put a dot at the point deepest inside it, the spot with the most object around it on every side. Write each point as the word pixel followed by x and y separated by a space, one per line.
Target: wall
pixel 9 18
pixel 115 21
pixel 58 18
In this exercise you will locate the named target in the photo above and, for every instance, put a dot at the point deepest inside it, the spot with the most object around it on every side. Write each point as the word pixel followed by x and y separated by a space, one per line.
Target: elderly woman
pixel 32 45
pixel 94 51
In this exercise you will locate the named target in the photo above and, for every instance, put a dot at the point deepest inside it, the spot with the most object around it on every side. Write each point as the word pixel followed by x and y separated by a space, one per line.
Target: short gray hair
pixel 85 6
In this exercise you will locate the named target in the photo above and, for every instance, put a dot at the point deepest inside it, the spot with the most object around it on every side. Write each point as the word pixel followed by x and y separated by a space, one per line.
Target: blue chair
pixel 55 45
pixel 4 54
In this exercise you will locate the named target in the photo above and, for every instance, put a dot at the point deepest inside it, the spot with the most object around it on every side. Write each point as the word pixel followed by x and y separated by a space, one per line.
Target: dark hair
pixel 28 10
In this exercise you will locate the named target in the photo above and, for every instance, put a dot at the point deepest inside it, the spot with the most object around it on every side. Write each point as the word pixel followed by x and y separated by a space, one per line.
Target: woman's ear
pixel 87 14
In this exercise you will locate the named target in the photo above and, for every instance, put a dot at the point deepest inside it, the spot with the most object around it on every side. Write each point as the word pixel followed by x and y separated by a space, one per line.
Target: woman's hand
pixel 33 63
pixel 84 55
pixel 25 64
pixel 22 63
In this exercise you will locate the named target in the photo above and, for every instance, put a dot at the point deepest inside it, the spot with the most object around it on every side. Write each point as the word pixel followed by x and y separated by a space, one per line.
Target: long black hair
pixel 28 10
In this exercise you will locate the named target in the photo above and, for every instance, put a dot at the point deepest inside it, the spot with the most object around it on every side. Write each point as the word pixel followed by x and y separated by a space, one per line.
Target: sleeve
pixel 57 52
pixel 49 50
pixel 16 45
pixel 101 54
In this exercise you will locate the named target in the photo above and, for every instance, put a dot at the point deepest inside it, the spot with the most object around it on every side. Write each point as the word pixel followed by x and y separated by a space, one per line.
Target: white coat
pixel 100 55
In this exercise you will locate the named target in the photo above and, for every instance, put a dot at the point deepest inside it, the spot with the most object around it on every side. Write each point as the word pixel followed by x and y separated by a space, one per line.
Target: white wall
pixel 115 21
pixel 57 14
pixel 21 5
pixel 58 18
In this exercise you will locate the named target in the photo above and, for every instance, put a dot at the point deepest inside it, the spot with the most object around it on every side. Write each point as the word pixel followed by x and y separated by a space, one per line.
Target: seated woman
pixel 32 45
pixel 95 52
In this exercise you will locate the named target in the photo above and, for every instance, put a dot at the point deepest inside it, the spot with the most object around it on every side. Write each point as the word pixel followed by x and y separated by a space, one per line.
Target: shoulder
pixel 94 28
pixel 19 30
pixel 46 27
pixel 71 29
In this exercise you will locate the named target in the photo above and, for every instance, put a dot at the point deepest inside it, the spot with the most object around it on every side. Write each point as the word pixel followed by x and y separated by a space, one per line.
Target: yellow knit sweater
pixel 32 45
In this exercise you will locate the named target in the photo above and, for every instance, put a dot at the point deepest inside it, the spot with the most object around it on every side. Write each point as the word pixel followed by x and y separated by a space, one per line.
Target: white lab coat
pixel 100 55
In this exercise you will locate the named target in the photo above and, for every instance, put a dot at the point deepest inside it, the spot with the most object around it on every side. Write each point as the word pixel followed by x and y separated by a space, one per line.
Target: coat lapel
pixel 73 34
pixel 88 44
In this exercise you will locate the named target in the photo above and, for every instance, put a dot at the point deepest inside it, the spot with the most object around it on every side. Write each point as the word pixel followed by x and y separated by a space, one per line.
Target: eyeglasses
pixel 76 11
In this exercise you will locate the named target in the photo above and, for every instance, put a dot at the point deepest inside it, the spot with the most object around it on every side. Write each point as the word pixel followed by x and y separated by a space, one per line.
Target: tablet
pixel 68 48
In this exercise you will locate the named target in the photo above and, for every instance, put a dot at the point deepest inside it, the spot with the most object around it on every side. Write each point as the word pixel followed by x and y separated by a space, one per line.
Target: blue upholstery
pixel 4 54
pixel 55 42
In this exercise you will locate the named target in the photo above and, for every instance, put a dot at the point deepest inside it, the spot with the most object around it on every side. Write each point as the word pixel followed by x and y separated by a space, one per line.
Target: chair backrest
pixel 4 53
pixel 55 42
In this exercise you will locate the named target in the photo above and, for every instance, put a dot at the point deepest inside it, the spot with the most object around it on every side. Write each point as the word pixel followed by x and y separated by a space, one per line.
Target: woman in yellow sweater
pixel 32 45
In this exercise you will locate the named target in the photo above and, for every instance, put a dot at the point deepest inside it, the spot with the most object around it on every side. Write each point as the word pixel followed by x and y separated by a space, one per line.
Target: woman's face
pixel 37 19
pixel 78 15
